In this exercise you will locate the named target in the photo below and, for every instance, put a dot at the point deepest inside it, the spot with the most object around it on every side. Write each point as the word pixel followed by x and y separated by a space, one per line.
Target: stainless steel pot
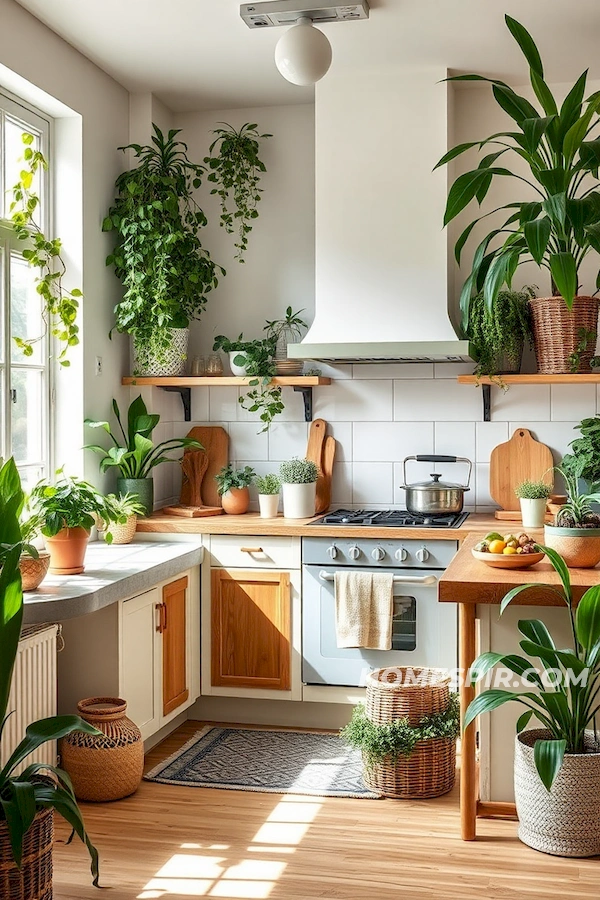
pixel 435 497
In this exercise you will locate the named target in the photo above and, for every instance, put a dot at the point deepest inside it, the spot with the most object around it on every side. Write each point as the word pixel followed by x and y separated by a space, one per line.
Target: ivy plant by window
pixel 24 379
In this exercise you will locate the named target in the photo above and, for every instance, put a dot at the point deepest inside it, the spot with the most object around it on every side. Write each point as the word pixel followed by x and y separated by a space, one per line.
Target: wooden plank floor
pixel 176 842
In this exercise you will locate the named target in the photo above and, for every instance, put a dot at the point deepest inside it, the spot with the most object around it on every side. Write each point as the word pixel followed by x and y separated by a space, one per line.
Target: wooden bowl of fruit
pixel 507 551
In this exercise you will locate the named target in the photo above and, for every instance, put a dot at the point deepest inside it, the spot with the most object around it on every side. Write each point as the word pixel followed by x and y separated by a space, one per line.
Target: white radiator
pixel 33 691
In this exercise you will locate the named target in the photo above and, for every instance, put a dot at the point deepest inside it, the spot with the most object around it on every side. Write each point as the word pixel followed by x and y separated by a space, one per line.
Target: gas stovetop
pixel 390 518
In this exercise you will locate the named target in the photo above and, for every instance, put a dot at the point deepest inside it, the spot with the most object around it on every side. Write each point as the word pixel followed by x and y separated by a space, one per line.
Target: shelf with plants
pixel 505 381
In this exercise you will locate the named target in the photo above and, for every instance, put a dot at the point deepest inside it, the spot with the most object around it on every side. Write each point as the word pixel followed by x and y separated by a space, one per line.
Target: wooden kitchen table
pixel 470 583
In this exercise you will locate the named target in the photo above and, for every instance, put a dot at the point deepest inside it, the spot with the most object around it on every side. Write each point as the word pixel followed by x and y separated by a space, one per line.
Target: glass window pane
pixel 13 160
pixel 27 415
pixel 3 447
pixel 25 309
pixel 30 475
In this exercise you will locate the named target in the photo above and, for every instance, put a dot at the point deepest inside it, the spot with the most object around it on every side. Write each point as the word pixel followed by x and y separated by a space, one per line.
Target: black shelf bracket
pixel 486 392
pixel 307 396
pixel 186 399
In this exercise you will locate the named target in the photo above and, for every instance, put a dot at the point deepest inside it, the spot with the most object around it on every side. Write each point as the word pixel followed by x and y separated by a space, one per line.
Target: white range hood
pixel 381 253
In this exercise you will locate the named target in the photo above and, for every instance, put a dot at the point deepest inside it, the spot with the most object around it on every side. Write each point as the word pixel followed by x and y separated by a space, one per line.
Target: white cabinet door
pixel 141 684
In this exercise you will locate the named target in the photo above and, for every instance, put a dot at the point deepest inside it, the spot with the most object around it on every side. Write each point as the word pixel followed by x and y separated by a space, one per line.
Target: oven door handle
pixel 397 579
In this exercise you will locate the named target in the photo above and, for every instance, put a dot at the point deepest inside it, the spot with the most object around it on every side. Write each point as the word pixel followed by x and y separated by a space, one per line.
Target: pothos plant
pixel 59 305
pixel 257 357
pixel 235 170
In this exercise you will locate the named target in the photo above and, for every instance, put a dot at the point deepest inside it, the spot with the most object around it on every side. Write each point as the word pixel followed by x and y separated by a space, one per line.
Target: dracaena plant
pixel 577 512
pixel 560 144
pixel 39 786
pixel 134 453
pixel 567 699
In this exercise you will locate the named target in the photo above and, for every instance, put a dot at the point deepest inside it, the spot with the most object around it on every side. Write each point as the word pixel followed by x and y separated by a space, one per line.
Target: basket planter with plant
pixel 533 498
pixel 557 766
pixel 499 334
pixel 299 486
pixel 557 227
pixel 576 530
pixel 255 359
pixel 67 510
pixel 165 270
pixel 33 563
pixel 286 331
pixel 28 797
pixel 121 515
pixel 134 455
pixel 232 485
pixel 269 488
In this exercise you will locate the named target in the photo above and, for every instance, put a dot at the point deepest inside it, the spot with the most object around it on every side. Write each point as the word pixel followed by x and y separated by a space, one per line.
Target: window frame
pixel 33 119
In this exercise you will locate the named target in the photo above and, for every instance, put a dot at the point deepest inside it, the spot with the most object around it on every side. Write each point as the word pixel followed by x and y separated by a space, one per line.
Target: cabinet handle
pixel 164 606
pixel 251 549
pixel 159 608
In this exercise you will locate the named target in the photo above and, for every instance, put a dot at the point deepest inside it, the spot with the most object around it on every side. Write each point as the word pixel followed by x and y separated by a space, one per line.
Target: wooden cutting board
pixel 323 500
pixel 215 441
pixel 316 439
pixel 520 458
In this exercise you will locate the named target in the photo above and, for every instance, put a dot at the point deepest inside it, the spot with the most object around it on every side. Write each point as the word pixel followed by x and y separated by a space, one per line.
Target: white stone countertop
pixel 112 572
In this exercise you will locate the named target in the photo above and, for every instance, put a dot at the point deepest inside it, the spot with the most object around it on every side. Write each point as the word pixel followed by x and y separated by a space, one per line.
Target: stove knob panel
pixel 354 552
pixel 401 554
pixel 422 554
pixel 378 554
pixel 332 552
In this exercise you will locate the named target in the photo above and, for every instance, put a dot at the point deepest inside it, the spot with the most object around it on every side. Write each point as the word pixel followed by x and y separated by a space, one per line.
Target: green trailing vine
pixel 584 339
pixel 235 170
pixel 257 357
pixel 398 738
pixel 501 330
pixel 60 306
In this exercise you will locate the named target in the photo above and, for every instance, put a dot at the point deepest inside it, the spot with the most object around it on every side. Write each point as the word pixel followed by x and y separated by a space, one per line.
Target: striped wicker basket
pixel 33 881
pixel 555 330
pixel 411 693
pixel 106 767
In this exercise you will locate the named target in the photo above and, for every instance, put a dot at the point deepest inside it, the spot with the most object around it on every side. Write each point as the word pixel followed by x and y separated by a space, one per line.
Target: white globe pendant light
pixel 303 54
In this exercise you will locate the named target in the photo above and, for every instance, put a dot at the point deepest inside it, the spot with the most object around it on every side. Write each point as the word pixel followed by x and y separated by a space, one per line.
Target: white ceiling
pixel 198 54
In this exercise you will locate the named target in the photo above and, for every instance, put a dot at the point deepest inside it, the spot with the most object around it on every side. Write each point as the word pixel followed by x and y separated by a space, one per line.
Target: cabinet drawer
pixel 232 551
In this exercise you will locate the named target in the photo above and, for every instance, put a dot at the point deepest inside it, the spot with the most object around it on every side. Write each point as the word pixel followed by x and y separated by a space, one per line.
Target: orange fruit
pixel 497 546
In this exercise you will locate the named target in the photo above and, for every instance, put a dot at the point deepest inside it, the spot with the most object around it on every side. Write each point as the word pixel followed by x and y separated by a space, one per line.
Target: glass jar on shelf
pixel 214 366
pixel 198 367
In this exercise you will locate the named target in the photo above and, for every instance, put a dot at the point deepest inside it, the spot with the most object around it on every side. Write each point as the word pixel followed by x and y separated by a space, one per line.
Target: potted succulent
pixel 558 228
pixel 33 563
pixel 165 270
pixel 134 454
pixel 232 485
pixel 268 487
pixel 286 331
pixel 533 497
pixel 67 511
pixel 498 335
pixel 121 514
pixel 28 797
pixel 576 530
pixel 299 484
pixel 557 766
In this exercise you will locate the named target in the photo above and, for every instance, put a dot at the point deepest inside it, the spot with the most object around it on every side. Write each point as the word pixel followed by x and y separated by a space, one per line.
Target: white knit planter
pixel 533 512
pixel 299 500
pixel 170 361
pixel 268 504
pixel 564 821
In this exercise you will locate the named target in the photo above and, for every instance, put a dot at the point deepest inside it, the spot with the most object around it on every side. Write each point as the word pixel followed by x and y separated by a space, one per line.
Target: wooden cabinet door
pixel 139 656
pixel 251 639
pixel 174 639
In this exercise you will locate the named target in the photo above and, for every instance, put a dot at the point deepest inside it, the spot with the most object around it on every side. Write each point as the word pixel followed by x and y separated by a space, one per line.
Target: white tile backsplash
pixel 354 401
pixel 570 401
pixel 287 439
pixel 455 439
pixel 245 443
pixel 391 441
pixel 487 436
pixel 528 402
pixel 372 483
pixel 438 400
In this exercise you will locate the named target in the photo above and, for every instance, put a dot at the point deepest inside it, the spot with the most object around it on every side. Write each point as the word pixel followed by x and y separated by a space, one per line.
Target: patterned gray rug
pixel 275 762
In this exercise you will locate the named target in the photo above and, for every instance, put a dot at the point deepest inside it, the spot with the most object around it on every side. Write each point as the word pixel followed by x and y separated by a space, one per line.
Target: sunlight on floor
pixel 198 875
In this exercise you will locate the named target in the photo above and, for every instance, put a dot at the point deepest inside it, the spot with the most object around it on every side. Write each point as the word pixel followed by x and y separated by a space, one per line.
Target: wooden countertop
pixel 468 580
pixel 252 524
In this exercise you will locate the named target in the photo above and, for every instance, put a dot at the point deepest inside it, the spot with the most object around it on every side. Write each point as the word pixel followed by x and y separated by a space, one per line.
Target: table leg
pixel 468 765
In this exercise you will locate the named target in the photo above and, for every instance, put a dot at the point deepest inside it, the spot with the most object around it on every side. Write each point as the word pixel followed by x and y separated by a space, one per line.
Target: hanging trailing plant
pixel 235 170
pixel 59 306
pixel 499 333
pixel 257 357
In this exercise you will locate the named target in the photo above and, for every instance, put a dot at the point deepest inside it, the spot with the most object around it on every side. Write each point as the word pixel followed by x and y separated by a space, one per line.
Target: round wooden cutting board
pixel 515 461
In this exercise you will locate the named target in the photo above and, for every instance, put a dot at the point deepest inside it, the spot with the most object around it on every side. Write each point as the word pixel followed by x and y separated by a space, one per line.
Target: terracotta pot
pixel 579 547
pixel 33 571
pixel 236 501
pixel 67 551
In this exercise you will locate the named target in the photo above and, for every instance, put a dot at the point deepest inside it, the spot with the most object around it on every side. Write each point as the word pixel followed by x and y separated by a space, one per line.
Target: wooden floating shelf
pixel 535 378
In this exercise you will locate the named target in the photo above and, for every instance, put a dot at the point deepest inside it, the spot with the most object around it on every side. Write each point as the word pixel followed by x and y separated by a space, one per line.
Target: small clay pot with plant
pixel 576 531
pixel 533 497
pixel 232 485
pixel 268 487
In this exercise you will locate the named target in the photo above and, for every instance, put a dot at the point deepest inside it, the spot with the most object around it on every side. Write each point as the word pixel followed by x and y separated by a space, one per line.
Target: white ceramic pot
pixel 170 361
pixel 236 370
pixel 299 500
pixel 533 512
pixel 268 504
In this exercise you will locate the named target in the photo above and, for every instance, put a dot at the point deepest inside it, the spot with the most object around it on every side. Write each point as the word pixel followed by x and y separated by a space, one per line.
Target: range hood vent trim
pixel 384 352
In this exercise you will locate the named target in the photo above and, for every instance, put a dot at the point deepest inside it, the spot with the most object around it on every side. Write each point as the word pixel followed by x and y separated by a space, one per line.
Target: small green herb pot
pixel 142 487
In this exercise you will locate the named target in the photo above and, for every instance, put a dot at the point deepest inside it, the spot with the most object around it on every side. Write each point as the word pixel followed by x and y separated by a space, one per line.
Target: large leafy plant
pixel 561 147
pixel 159 257
pixel 39 785
pixel 134 453
pixel 566 706
pixel 70 503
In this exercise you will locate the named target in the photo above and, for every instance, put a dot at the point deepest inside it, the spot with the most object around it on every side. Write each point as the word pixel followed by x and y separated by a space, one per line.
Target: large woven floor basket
pixel 556 332
pixel 34 880
pixel 411 693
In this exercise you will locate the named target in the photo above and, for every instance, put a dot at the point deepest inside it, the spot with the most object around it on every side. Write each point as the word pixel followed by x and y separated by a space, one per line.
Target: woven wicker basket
pixel 34 880
pixel 411 693
pixel 33 571
pixel 555 330
pixel 108 767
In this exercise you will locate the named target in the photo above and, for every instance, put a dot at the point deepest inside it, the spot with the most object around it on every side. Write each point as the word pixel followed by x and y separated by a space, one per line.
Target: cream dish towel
pixel 364 607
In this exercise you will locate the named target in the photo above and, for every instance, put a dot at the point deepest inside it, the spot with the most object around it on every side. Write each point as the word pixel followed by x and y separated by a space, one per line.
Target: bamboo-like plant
pixel 564 705
pixel 561 147
pixel 39 786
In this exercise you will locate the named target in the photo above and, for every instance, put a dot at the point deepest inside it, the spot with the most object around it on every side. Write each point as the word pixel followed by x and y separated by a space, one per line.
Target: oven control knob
pixel 378 554
pixel 354 552
pixel 332 551
pixel 401 554
pixel 422 554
